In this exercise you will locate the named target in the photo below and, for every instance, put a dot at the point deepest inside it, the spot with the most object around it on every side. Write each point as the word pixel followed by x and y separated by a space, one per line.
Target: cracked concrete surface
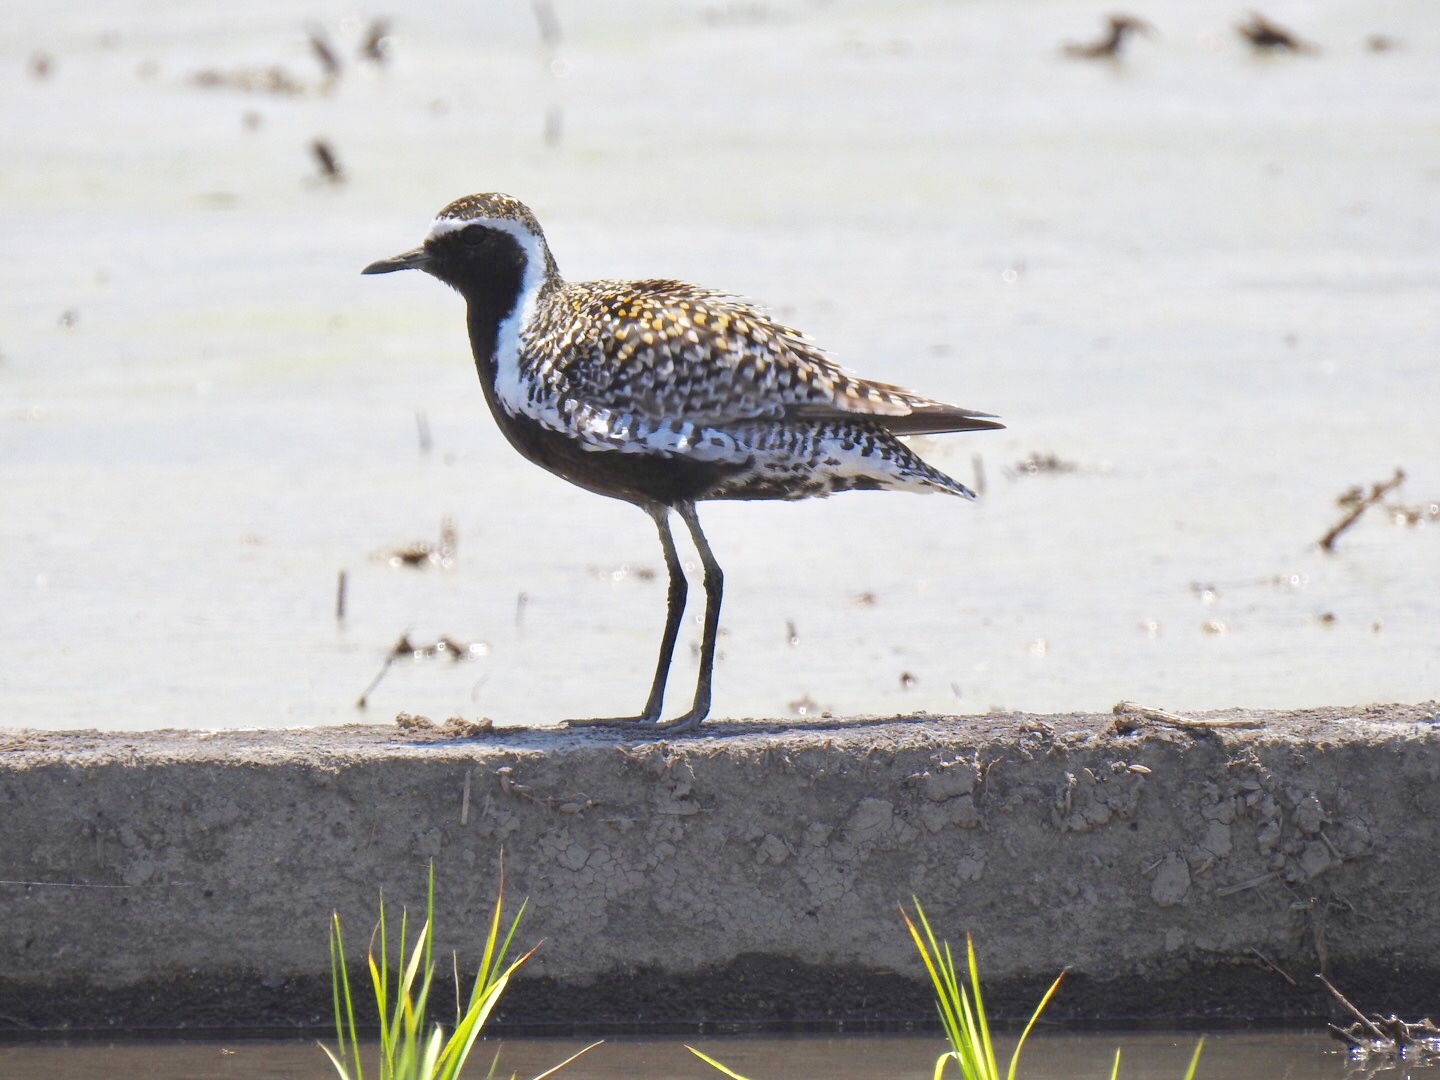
pixel 753 873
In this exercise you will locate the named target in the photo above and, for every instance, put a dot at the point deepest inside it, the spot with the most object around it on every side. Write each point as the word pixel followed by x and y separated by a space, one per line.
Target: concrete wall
pixel 751 873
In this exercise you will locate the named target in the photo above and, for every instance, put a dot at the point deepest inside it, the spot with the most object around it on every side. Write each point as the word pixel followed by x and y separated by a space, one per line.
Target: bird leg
pixel 674 610
pixel 714 588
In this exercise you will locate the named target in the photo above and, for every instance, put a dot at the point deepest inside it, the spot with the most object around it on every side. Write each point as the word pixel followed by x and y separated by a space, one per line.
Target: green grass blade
pixel 949 1019
pixel 426 1066
pixel 1195 1059
pixel 340 992
pixel 1115 1069
pixel 964 1020
pixel 715 1064
pixel 950 998
pixel 339 1066
pixel 1015 1057
pixel 337 966
pixel 556 1068
pixel 429 933
pixel 488 959
pixel 468 1029
pixel 992 1071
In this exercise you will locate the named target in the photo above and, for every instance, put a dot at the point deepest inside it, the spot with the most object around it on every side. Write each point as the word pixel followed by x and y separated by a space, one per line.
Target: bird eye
pixel 474 235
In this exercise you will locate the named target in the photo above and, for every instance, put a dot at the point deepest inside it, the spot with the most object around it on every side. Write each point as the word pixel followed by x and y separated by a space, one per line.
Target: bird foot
pixel 679 726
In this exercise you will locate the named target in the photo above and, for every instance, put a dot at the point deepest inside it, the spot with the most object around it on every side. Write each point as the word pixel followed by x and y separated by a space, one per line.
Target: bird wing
pixel 665 350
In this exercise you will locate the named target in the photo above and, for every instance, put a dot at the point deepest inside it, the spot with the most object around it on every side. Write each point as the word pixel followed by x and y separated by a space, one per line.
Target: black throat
pixel 490 282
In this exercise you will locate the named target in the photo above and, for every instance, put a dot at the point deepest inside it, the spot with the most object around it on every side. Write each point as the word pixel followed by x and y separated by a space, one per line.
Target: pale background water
pixel 1209 279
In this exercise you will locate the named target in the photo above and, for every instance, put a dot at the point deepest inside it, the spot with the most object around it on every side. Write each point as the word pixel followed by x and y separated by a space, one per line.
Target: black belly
pixel 635 477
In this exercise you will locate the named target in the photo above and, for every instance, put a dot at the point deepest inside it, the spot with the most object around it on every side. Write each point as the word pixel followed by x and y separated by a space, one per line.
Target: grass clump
pixel 409 1048
pixel 965 1024
pixel 962 1012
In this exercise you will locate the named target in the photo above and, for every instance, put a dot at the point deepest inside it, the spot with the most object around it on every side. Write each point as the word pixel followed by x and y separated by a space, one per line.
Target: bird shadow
pixel 522 737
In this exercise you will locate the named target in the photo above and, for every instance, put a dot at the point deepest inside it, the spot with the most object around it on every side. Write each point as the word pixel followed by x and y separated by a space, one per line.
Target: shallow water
pixel 1144 1056
pixel 1203 278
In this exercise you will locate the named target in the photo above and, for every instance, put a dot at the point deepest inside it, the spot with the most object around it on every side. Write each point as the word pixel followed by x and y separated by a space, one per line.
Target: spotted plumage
pixel 665 394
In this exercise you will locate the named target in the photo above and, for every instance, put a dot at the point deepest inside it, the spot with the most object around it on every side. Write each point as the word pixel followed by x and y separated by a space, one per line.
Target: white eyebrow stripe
pixel 443 226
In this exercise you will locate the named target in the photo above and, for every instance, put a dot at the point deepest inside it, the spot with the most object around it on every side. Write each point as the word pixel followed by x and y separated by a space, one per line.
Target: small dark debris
pixel 403 647
pixel 1381 43
pixel 1119 26
pixel 423 553
pixel 323 52
pixel 341 588
pixel 378 43
pixel 792 636
pixel 69 318
pixel 907 680
pixel 328 162
pixel 42 65
pixel 1411 514
pixel 1036 464
pixel 547 22
pixel 804 706
pixel 1270 36
pixel 866 599
pixel 264 80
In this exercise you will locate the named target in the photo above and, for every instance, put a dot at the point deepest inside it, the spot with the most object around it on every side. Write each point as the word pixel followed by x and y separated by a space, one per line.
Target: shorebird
pixel 664 394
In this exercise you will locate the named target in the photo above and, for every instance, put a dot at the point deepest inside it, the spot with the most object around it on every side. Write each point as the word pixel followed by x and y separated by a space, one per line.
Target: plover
pixel 665 394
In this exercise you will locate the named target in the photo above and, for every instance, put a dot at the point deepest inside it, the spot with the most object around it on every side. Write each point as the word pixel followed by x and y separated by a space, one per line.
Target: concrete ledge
pixel 179 879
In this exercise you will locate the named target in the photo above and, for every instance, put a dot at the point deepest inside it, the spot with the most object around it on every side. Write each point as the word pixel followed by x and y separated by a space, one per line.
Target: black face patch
pixel 484 263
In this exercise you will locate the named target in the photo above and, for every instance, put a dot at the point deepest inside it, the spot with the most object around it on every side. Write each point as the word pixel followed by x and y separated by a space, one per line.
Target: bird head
pixel 479 243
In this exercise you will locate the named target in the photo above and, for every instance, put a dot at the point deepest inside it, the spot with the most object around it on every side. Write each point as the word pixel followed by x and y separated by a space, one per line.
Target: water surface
pixel 1144 1056
pixel 1203 280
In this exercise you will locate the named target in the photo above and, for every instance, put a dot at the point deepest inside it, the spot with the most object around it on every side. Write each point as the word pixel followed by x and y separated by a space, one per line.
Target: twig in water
pixel 1358 505
pixel 1361 1018
pixel 1263 958
pixel 403 647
